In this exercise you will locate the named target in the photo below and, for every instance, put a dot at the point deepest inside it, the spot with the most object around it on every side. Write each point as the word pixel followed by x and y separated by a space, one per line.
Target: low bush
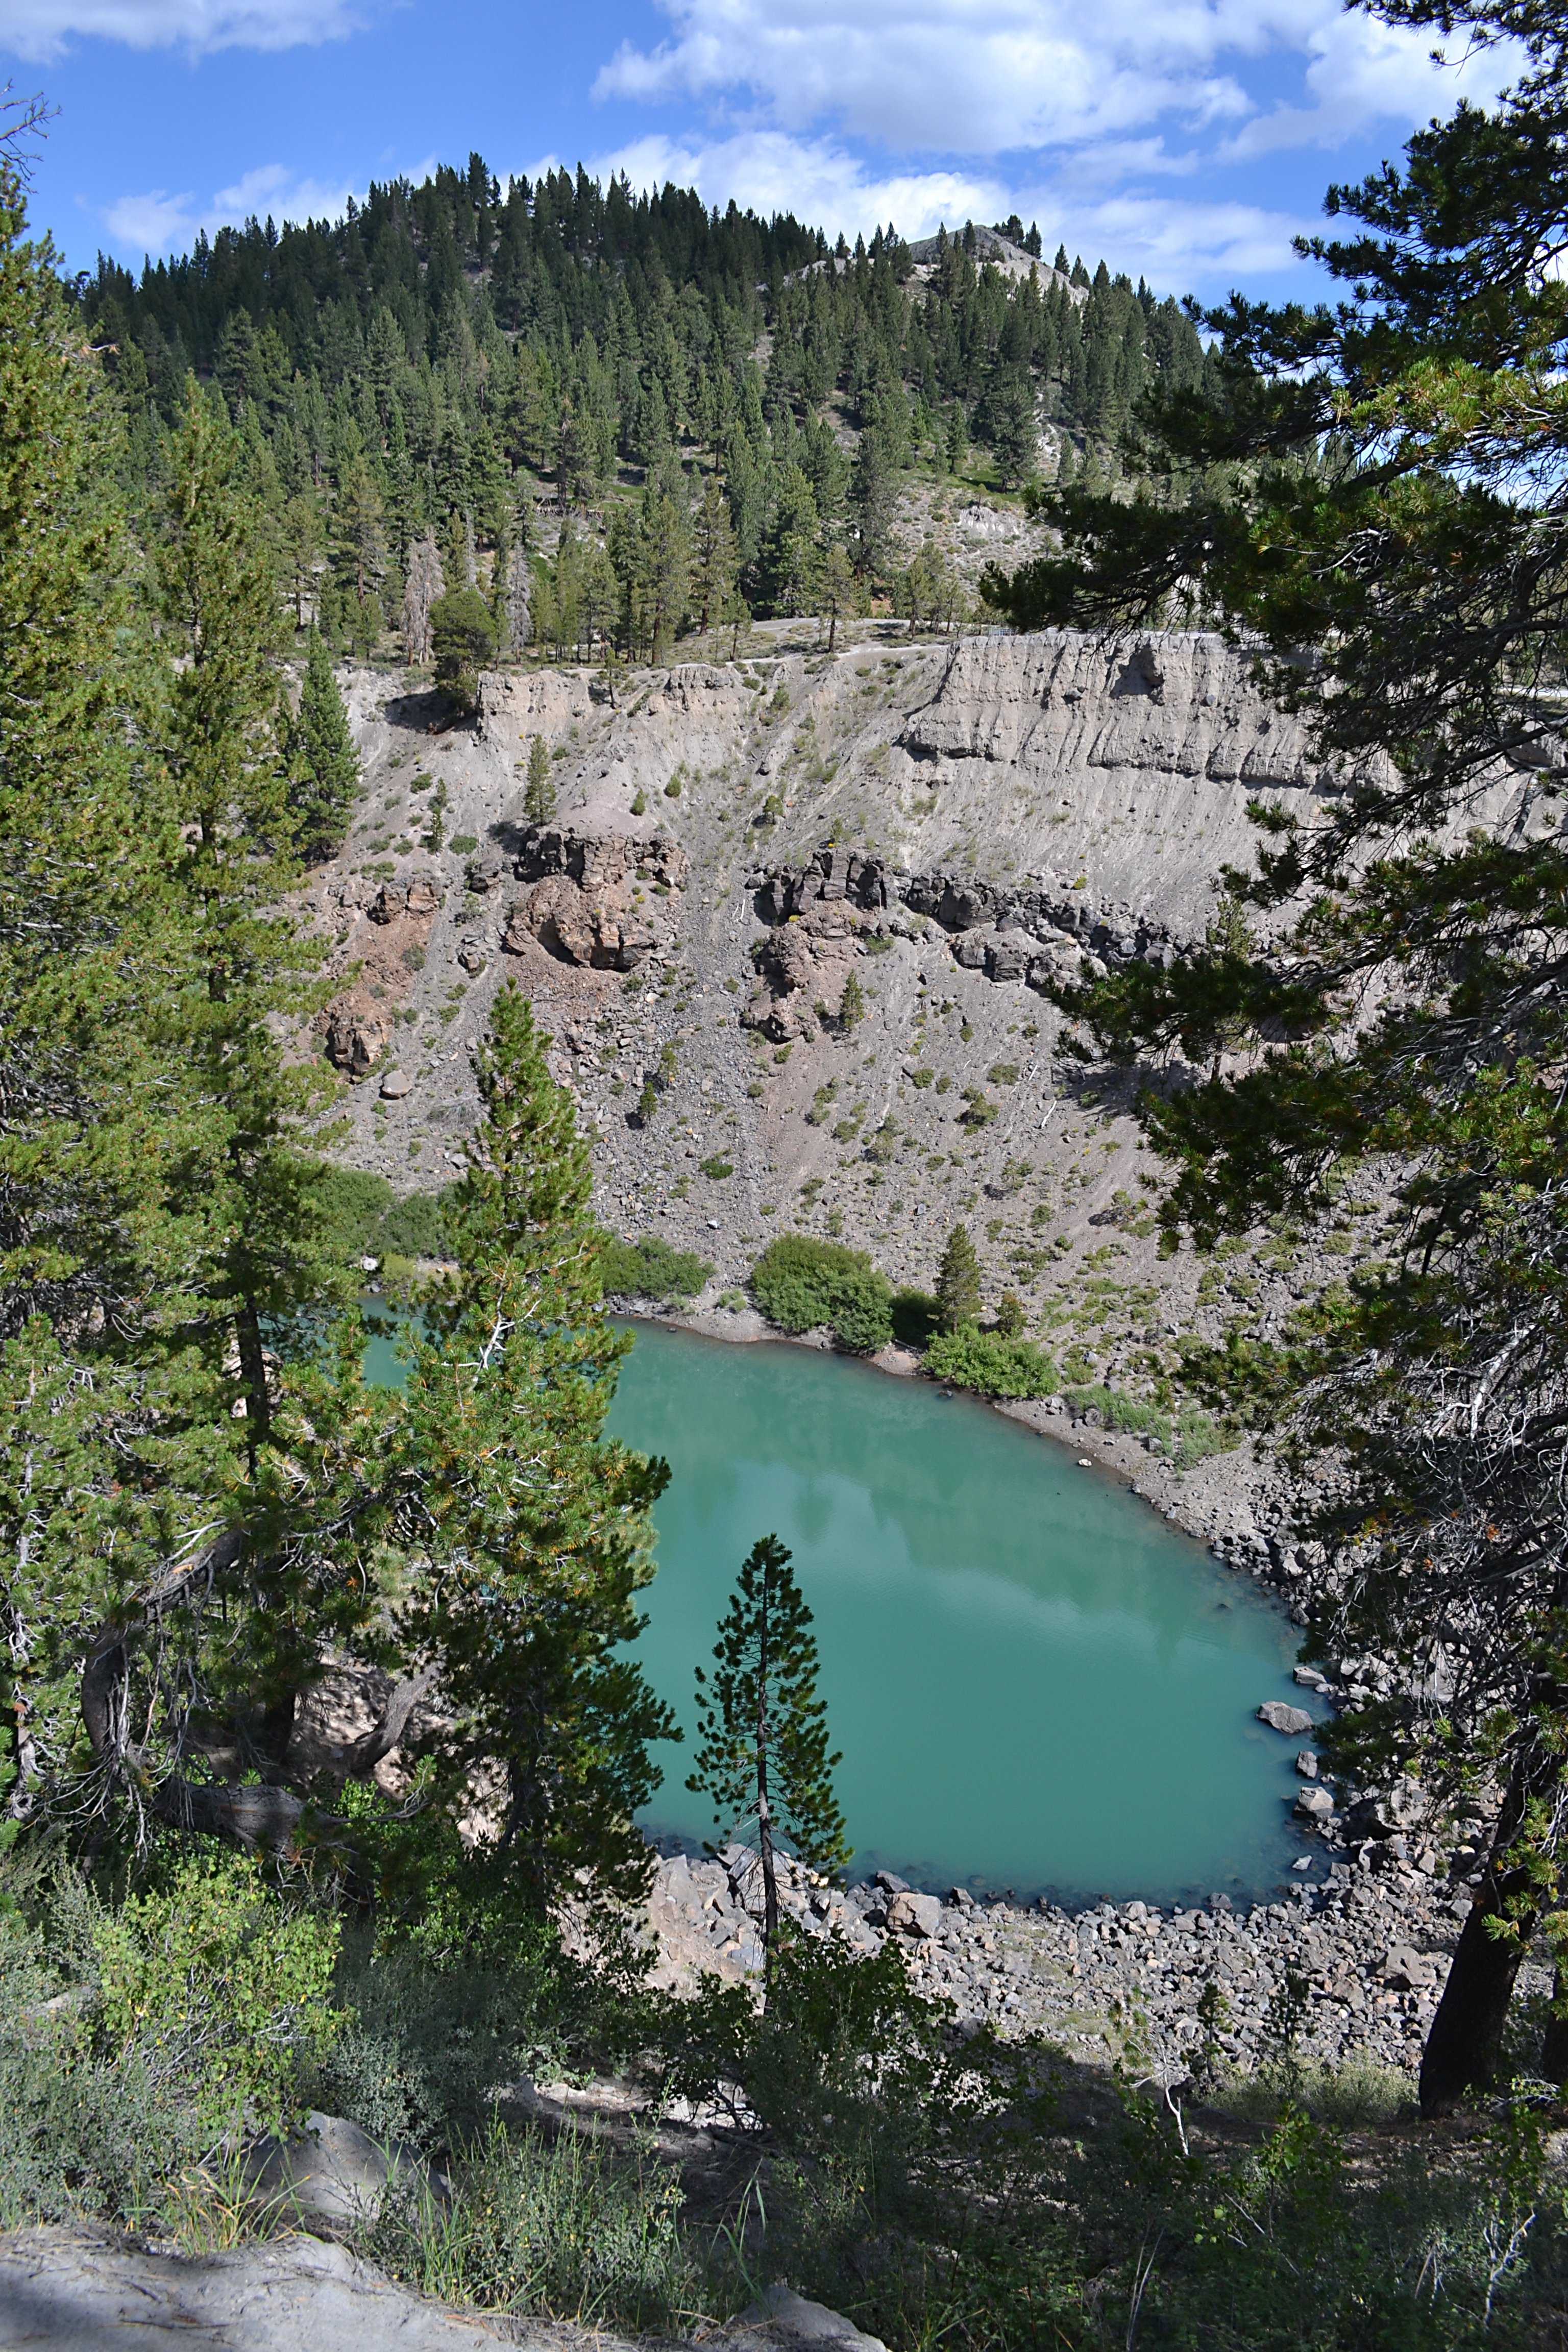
pixel 1116 1409
pixel 917 1317
pixel 566 2227
pixel 991 1364
pixel 1199 1434
pixel 800 1283
pixel 212 1984
pixel 365 1218
pixel 1192 1434
pixel 650 1268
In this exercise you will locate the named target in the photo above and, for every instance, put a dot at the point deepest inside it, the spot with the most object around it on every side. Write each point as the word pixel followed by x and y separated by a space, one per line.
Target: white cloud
pixel 40 30
pixel 159 223
pixel 1170 241
pixel 815 179
pixel 154 222
pixel 1175 243
pixel 985 78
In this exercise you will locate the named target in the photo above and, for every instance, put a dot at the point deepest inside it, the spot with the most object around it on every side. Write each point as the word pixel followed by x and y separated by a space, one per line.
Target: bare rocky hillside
pixel 788 926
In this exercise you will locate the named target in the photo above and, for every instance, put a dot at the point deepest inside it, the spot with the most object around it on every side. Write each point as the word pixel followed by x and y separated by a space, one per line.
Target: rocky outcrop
pixel 597 901
pixel 355 1039
pixel 803 967
pixel 1009 933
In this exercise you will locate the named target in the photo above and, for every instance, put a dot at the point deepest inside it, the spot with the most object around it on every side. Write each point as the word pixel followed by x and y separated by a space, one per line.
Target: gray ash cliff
pixel 953 823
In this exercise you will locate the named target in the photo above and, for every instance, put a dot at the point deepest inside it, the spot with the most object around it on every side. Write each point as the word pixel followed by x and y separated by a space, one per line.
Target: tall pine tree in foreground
pixel 526 1530
pixel 1379 486
pixel 763 1759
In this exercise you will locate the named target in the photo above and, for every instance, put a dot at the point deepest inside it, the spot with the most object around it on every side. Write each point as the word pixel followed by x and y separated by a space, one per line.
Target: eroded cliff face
pixel 948 826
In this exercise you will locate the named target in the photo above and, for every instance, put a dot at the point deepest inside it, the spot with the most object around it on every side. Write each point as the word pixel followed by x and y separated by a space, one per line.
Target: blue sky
pixel 1185 140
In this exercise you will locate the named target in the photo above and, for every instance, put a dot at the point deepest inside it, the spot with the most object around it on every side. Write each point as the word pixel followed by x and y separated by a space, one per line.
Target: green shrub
pixel 991 1364
pixel 366 1219
pixel 917 1317
pixel 718 1167
pixel 416 1226
pixel 1198 1435
pixel 213 1984
pixel 565 2227
pixel 1117 1410
pixel 650 1268
pixel 800 1283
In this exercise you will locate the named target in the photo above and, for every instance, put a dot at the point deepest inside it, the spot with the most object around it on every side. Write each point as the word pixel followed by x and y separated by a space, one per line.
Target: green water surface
pixel 1034 1681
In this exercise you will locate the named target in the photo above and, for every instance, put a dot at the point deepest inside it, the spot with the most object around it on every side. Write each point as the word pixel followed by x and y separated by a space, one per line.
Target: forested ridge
pixel 431 363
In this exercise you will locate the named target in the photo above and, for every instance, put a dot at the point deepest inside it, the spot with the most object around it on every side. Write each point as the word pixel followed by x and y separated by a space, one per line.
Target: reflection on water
pixel 1033 1681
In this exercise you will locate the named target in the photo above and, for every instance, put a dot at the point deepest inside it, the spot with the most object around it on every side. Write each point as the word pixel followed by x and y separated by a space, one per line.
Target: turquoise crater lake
pixel 1034 1681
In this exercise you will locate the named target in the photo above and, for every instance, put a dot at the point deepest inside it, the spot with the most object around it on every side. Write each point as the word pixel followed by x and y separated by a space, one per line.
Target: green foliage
pixel 717 1166
pixel 462 637
pixel 990 1363
pixel 562 2227
pixel 799 1283
pixel 322 764
pixel 958 1281
pixel 364 1218
pixel 210 1984
pixel 764 1757
pixel 852 1003
pixel 538 794
pixel 915 1317
pixel 536 1536
pixel 650 1268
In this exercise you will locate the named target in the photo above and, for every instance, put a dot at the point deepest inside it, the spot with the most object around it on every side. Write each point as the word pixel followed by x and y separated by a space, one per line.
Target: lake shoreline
pixel 1233 1504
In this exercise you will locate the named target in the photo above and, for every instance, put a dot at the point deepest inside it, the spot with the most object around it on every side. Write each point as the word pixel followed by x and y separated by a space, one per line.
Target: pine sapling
pixel 763 1756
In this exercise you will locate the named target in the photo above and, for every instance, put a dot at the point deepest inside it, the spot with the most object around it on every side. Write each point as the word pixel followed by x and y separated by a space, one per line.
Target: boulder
pixel 1279 1716
pixel 1405 1969
pixel 795 2315
pixel 89 2290
pixel 396 1084
pixel 1306 1765
pixel 1314 1804
pixel 329 2171
pixel 915 1915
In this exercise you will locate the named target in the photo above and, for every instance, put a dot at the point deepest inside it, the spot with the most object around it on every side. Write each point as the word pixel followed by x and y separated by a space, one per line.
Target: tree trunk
pixel 253 1375
pixel 764 1822
pixel 1465 2036
pixel 1554 2043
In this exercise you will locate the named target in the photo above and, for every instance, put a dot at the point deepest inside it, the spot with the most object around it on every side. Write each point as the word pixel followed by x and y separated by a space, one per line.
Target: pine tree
pixel 463 638
pixel 839 594
pixel 1392 547
pixel 530 1531
pixel 958 1281
pixel 713 558
pixel 322 764
pixel 763 1730
pixel 300 546
pixel 539 798
pixel 358 554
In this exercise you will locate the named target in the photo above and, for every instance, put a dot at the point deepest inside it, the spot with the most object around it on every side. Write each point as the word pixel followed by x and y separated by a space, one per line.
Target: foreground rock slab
pixel 65 2289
